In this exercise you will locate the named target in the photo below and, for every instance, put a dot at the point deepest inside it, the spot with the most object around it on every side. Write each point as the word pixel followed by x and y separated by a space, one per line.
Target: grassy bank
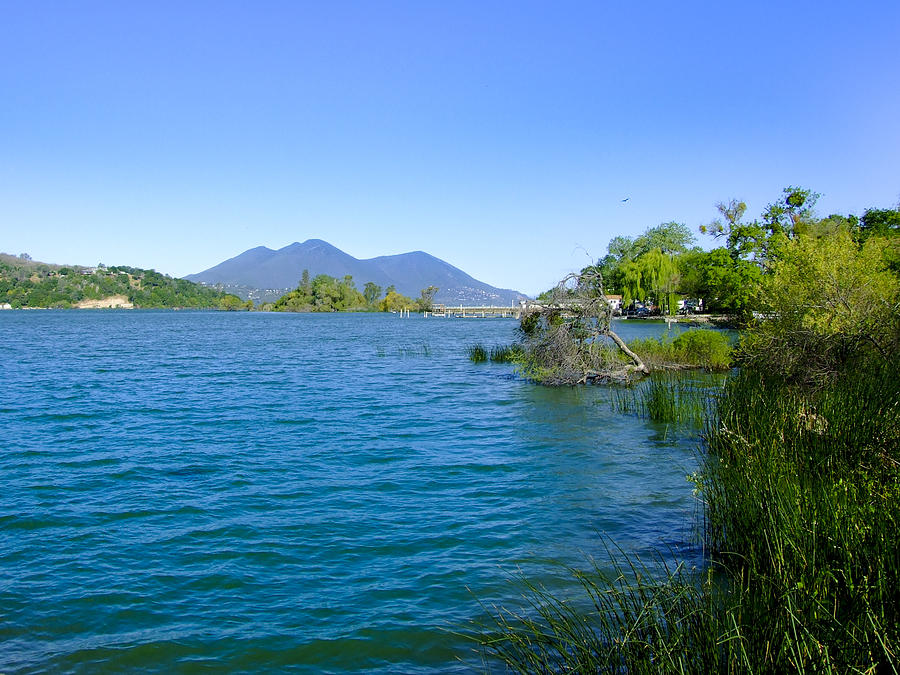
pixel 799 480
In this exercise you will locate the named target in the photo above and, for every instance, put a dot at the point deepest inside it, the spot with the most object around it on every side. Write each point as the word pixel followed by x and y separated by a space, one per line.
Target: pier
pixel 480 312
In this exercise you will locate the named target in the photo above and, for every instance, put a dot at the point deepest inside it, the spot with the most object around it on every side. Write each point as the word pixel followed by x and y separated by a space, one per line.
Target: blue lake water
pixel 218 492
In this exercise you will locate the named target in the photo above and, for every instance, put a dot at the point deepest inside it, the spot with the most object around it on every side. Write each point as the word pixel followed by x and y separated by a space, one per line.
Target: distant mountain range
pixel 264 274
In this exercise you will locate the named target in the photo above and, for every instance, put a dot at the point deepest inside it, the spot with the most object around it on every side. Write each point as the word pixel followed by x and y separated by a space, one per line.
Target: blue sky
pixel 499 136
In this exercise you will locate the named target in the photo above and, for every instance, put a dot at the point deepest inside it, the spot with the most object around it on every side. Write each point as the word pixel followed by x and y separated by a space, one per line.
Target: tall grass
pixel 506 353
pixel 802 493
pixel 633 619
pixel 511 353
pixel 670 397
pixel 477 353
pixel 802 525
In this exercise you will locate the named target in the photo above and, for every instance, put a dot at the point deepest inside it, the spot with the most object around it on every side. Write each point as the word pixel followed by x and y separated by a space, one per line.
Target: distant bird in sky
pixel 626 199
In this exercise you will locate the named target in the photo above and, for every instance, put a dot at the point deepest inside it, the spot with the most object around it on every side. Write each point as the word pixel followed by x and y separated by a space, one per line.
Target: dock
pixel 476 312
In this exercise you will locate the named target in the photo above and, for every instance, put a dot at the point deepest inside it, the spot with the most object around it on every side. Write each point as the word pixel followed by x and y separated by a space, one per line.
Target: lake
pixel 253 492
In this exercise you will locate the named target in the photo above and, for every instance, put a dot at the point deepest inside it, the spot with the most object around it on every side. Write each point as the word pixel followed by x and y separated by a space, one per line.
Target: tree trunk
pixel 631 355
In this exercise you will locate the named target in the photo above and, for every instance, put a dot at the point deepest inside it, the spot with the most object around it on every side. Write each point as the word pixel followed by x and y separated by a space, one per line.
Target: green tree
pixel 880 223
pixel 671 238
pixel 231 303
pixel 653 276
pixel 762 239
pixel 725 283
pixel 371 292
pixel 394 302
pixel 883 223
pixel 425 303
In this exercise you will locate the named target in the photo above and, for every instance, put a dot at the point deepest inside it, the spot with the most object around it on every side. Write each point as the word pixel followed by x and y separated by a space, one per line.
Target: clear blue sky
pixel 499 136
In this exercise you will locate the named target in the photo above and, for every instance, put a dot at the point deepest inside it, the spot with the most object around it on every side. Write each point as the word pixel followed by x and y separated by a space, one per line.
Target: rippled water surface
pixel 216 492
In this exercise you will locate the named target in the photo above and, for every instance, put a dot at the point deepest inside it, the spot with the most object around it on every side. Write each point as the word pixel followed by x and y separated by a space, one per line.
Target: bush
pixel 696 348
pixel 708 348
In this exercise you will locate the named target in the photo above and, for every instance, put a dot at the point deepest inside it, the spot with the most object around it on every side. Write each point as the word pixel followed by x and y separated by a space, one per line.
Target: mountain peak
pixel 408 272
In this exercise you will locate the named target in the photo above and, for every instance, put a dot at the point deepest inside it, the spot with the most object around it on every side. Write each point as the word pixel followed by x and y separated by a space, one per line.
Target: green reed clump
pixel 506 353
pixel 511 353
pixel 695 348
pixel 477 353
pixel 632 619
pixel 669 397
pixel 802 492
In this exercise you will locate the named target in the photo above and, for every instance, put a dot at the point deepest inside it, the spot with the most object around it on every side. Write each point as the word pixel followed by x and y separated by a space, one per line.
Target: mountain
pixel 263 274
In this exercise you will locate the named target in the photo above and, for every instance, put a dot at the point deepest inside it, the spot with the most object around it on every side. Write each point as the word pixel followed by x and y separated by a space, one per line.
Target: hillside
pixel 265 274
pixel 28 283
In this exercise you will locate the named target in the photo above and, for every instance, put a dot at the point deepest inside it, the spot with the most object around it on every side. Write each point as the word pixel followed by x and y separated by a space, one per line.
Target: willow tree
pixel 653 275
pixel 567 339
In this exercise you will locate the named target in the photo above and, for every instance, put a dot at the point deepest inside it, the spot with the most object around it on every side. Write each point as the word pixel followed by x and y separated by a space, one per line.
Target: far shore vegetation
pixel 25 283
pixel 28 284
pixel 799 477
pixel 324 293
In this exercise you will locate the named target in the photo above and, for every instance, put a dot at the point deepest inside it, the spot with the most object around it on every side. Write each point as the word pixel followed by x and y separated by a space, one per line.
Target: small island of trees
pixel 324 293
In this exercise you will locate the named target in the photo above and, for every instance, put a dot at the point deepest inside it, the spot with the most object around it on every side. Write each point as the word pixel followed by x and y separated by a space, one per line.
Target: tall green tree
pixel 725 283
pixel 761 240
pixel 671 238
pixel 653 276
pixel 425 303
pixel 371 292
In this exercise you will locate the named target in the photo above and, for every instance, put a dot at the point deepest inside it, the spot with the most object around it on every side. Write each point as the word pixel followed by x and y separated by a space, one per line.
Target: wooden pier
pixel 481 312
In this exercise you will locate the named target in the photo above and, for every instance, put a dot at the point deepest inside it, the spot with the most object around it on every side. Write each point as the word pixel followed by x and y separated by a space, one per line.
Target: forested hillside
pixel 28 283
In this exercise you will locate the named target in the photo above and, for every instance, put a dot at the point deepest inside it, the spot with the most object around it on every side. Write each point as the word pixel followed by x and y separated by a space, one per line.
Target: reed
pixel 506 353
pixel 629 618
pixel 668 397
pixel 477 353
pixel 802 493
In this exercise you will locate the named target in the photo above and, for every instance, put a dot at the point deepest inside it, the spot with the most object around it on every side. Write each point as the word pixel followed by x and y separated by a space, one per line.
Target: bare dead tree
pixel 566 339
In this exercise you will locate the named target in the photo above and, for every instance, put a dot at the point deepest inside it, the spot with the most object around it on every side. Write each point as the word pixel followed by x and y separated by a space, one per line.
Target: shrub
pixel 695 348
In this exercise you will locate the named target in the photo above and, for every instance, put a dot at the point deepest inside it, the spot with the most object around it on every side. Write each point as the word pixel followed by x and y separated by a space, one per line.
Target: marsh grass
pixel 670 397
pixel 477 353
pixel 511 353
pixel 630 618
pixel 802 528
pixel 802 493
pixel 412 351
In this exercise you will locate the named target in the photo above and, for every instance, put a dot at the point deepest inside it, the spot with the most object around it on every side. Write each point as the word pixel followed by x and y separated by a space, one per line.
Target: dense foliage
pixel 322 294
pixel 329 294
pixel 662 265
pixel 26 283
